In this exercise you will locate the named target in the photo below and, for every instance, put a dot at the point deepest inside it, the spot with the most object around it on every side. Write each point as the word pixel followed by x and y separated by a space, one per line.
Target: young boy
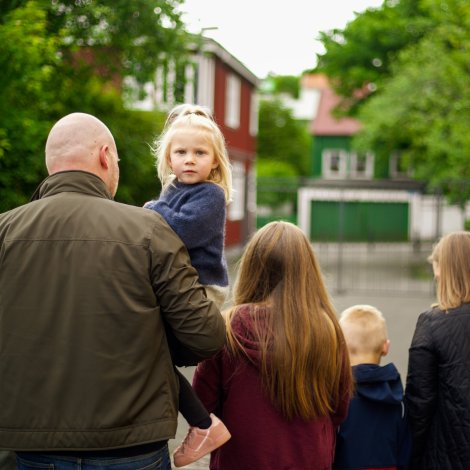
pixel 375 434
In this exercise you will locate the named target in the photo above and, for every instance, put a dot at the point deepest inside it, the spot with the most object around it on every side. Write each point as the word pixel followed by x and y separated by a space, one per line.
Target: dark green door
pixel 359 221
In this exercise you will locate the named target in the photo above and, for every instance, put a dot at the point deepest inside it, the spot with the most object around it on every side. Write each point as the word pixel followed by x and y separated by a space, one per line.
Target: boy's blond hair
pixel 364 329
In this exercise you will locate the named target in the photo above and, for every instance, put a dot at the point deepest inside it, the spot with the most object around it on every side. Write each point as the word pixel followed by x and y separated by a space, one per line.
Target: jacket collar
pixel 71 181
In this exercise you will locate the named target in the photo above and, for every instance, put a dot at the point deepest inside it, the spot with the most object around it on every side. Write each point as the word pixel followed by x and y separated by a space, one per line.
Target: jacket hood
pixel 243 327
pixel 376 383
pixel 71 181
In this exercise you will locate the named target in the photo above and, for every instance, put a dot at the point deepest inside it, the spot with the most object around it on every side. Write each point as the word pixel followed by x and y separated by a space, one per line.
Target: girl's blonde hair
pixel 195 117
pixel 187 108
pixel 303 352
pixel 452 256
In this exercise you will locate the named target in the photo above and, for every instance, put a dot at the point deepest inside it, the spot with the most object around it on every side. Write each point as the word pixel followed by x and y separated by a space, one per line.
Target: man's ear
pixel 103 156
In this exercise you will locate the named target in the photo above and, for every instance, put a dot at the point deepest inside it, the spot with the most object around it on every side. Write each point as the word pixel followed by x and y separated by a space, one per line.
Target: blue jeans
pixel 159 460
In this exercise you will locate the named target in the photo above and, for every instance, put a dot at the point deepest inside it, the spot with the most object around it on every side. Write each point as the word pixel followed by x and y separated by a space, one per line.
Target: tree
pixel 283 146
pixel 281 138
pixel 424 108
pixel 28 58
pixel 60 57
pixel 421 106
pixel 127 38
pixel 360 56
pixel 283 84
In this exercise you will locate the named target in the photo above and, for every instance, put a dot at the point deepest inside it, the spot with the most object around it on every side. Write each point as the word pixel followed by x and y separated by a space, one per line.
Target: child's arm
pixel 196 215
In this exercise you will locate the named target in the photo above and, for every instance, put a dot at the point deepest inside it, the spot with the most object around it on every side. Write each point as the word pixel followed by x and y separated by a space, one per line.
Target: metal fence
pixel 385 268
pixel 388 268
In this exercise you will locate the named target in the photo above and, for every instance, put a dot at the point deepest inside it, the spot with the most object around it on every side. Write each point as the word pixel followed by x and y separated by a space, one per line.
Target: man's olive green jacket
pixel 85 286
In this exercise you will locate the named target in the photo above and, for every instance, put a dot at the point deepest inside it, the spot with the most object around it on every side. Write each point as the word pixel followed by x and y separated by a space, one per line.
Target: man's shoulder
pixel 137 213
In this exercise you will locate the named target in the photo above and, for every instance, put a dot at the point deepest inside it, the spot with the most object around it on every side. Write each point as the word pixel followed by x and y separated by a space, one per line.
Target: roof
pixel 213 47
pixel 326 124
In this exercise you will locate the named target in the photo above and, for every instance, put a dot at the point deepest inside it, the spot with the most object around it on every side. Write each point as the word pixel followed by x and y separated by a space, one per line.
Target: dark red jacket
pixel 261 437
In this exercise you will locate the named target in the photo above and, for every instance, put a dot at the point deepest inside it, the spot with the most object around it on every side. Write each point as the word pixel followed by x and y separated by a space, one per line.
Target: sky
pixel 269 36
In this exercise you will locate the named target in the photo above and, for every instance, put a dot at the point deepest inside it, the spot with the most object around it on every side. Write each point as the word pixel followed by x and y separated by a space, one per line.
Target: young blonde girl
pixel 438 382
pixel 283 383
pixel 194 169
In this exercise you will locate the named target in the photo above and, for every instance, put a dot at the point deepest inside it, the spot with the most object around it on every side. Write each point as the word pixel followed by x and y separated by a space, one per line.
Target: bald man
pixel 86 284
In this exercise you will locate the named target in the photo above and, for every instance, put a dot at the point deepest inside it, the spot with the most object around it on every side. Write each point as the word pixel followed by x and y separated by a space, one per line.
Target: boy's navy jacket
pixel 376 433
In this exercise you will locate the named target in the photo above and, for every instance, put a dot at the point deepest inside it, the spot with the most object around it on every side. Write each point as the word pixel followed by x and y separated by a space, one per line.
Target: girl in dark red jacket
pixel 283 383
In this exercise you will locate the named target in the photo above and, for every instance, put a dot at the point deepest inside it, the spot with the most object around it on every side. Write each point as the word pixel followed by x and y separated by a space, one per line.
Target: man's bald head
pixel 80 141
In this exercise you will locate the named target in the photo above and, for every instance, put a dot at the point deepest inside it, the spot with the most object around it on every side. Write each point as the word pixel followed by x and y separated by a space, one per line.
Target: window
pixel 334 163
pixel 254 111
pixel 362 165
pixel 236 210
pixel 232 101
pixel 396 166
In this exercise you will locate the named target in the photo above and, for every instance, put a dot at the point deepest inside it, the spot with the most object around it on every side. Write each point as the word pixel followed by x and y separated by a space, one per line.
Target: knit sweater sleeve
pixel 195 212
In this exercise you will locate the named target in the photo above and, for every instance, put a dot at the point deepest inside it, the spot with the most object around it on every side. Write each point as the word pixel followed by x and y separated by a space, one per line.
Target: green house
pixel 348 196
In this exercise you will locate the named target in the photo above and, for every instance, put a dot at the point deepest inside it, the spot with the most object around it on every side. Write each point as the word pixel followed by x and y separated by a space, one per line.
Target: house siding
pixel 241 145
pixel 321 143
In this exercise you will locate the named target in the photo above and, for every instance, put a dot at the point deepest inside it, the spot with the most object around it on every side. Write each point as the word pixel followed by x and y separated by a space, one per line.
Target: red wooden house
pixel 218 80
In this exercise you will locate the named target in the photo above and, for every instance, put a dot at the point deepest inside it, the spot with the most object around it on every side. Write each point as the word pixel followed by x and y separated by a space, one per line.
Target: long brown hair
pixel 452 257
pixel 303 354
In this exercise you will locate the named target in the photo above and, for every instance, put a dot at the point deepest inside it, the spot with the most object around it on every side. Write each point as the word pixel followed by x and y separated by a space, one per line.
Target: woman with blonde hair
pixel 438 383
pixel 282 384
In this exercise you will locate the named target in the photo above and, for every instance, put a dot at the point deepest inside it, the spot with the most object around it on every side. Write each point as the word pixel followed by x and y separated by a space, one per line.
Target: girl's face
pixel 191 156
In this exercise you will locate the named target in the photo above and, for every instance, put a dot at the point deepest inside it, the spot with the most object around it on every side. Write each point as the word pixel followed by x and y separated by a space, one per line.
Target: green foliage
pixel 282 138
pixel 27 61
pixel 421 106
pixel 137 34
pixel 360 56
pixel 424 108
pixel 42 79
pixel 283 146
pixel 134 133
pixel 288 84
pixel 277 183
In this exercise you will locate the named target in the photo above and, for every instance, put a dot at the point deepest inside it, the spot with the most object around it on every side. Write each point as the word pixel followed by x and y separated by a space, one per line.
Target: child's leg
pixel 206 432
pixel 190 406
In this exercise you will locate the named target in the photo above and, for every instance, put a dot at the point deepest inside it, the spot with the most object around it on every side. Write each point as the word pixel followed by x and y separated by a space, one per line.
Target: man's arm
pixel 194 320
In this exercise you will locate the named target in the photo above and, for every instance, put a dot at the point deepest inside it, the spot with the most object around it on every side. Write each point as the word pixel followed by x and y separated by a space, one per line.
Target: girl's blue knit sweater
pixel 196 212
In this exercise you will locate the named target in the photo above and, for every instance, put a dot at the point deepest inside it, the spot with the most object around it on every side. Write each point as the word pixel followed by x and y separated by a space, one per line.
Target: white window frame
pixel 368 171
pixel 236 209
pixel 254 114
pixel 393 167
pixel 327 157
pixel 232 101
